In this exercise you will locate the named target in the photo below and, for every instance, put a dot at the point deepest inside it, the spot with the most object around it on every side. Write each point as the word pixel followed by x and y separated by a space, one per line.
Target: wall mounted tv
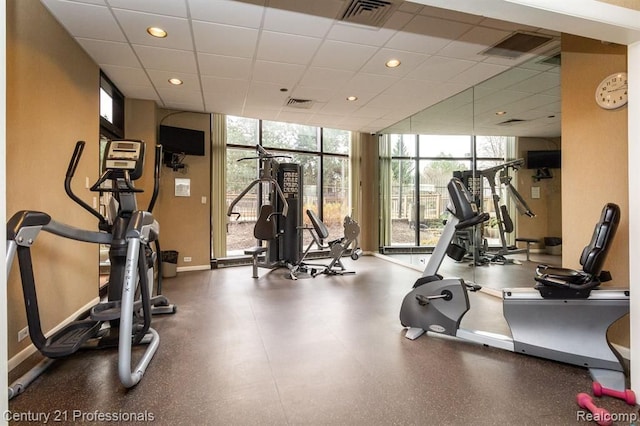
pixel 177 140
pixel 543 159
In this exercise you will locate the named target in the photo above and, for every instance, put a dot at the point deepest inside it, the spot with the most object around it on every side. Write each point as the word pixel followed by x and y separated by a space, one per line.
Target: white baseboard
pixel 31 349
pixel 193 268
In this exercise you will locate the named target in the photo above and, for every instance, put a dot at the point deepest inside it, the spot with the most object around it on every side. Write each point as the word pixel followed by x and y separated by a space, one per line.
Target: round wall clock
pixel 611 93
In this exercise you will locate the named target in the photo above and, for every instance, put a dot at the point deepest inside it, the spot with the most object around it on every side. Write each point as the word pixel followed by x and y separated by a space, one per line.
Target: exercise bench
pixel 529 241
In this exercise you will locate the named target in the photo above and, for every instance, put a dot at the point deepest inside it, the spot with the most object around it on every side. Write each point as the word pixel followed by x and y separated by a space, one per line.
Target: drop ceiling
pixel 238 57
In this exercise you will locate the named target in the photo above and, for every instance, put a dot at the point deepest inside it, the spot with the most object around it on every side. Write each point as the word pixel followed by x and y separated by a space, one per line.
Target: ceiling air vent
pixel 369 12
pixel 517 45
pixel 299 103
pixel 511 122
pixel 555 60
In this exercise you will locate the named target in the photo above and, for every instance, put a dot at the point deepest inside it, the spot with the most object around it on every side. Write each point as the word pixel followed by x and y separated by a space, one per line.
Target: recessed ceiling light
pixel 157 32
pixel 175 81
pixel 352 98
pixel 501 112
pixel 392 63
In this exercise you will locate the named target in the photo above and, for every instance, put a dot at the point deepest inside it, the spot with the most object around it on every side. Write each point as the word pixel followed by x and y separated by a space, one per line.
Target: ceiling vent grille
pixel 299 103
pixel 517 45
pixel 511 122
pixel 369 12
pixel 555 60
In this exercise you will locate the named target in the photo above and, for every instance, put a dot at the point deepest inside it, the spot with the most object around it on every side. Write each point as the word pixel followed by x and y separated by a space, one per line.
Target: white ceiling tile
pixel 135 26
pixel 86 20
pixel 176 8
pixel 194 105
pixel 370 112
pixel 324 8
pixel 409 60
pixel 265 94
pixel 177 95
pixel 157 58
pixel 507 79
pixel 229 12
pixel 341 106
pixel 280 20
pixel 225 39
pixel 341 55
pixel 506 26
pixel 291 49
pixel 498 101
pixel 313 93
pixel 160 80
pixel 264 114
pixel 398 20
pixel 435 27
pixel 139 92
pixel 213 85
pixel 109 52
pixel 538 83
pixel 478 73
pixel 471 44
pixel 438 68
pixel 98 2
pixel 326 78
pixel 224 66
pixel 123 76
pixel 224 95
pixel 285 74
pixel 360 34
pixel 370 82
pixel 296 117
pixel 451 15
pixel 322 120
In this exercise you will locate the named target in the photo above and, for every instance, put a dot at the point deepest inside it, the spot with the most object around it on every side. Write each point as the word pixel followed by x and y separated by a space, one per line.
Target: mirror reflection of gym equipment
pixel 473 241
pixel 124 319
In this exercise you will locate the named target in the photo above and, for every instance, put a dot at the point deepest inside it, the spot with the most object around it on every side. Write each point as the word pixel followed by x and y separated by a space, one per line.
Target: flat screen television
pixel 177 140
pixel 543 159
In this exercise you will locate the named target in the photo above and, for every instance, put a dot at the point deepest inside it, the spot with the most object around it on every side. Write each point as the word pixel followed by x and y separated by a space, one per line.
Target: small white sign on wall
pixel 183 187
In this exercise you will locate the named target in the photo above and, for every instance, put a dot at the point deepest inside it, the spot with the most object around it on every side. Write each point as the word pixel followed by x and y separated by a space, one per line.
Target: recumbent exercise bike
pixel 564 318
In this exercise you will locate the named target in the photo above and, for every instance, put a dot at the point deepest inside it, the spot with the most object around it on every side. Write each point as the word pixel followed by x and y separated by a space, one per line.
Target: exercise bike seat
pixel 555 282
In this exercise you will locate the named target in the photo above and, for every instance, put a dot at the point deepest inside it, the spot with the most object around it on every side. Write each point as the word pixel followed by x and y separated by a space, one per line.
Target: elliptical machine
pixel 125 318
pixel 564 318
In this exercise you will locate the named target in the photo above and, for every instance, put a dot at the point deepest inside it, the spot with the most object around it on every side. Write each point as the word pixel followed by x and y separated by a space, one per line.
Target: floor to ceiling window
pixel 421 167
pixel 323 155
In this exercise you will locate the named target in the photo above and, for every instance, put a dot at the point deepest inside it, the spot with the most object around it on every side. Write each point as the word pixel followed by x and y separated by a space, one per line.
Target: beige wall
pixel 52 101
pixel 370 194
pixel 547 208
pixel 185 221
pixel 594 152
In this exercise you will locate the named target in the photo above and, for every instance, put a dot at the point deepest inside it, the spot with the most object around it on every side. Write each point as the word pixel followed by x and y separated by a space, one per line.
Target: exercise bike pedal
pixel 473 287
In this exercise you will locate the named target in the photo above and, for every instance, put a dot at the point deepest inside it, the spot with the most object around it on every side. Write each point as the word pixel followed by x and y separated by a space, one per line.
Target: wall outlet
pixel 23 334
pixel 187 259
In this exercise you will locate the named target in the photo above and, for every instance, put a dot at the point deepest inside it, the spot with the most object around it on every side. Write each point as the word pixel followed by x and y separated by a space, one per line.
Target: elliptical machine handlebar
pixel 157 166
pixel 71 170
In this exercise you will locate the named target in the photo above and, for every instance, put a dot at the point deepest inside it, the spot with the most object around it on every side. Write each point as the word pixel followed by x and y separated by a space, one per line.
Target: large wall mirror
pixel 502 137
